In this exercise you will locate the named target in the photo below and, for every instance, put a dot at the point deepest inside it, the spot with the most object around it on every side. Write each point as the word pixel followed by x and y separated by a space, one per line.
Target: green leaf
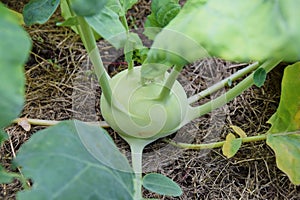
pixel 18 16
pixel 67 15
pixel 74 161
pixel 230 30
pixel 166 13
pixel 132 43
pixel 162 12
pixel 5 176
pixel 169 52
pixel 3 136
pixel 14 50
pixel 87 8
pixel 108 25
pixel 39 11
pixel 151 27
pixel 259 77
pixel 161 184
pixel 71 21
pixel 102 147
pixel 127 4
pixel 121 7
pixel 283 136
pixel 231 145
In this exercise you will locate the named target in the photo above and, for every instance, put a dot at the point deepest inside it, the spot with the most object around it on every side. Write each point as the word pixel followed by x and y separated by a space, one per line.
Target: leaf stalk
pixel 89 42
pixel 223 83
pixel 195 112
pixel 215 144
pixel 136 156
pixel 166 90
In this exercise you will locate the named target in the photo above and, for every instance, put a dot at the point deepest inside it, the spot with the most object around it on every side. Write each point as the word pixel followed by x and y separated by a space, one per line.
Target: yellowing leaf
pixel 297 119
pixel 239 131
pixel 231 145
pixel 18 16
pixel 287 116
pixel 287 119
pixel 287 151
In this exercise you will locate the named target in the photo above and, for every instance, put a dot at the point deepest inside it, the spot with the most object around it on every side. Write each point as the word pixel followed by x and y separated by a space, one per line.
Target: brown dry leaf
pixel 23 122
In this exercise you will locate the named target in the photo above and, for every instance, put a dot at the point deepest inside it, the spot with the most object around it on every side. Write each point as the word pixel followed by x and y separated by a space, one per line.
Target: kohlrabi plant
pixel 74 160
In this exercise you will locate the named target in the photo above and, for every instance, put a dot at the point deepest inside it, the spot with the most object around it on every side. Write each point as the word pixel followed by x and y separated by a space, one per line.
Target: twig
pixel 42 122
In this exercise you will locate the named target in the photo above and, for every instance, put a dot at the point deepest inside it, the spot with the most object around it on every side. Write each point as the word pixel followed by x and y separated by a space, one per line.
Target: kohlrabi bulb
pixel 138 112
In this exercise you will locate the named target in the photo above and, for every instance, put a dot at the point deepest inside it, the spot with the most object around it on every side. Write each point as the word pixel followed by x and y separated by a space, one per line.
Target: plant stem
pixel 195 112
pixel 215 144
pixel 222 83
pixel 165 92
pixel 89 42
pixel 124 22
pixel 136 156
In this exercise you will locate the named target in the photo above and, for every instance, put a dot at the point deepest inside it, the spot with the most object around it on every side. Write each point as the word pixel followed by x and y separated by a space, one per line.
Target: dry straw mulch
pixel 61 85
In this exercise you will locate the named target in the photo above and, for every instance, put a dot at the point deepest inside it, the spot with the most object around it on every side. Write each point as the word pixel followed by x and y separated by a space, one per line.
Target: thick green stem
pixel 88 39
pixel 215 144
pixel 165 92
pixel 223 83
pixel 195 112
pixel 136 156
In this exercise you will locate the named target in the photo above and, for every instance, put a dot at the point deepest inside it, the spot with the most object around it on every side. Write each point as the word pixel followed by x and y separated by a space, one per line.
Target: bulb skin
pixel 138 112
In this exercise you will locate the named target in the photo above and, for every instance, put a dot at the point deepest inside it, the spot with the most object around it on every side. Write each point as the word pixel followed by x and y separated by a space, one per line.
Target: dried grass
pixel 61 86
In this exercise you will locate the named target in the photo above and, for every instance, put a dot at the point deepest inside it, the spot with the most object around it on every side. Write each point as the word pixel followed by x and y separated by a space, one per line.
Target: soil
pixel 61 85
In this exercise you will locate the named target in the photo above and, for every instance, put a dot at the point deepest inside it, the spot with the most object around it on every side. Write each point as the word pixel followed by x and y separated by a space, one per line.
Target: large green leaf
pixel 108 25
pixel 74 161
pixel 284 135
pixel 231 29
pixel 39 11
pixel 14 50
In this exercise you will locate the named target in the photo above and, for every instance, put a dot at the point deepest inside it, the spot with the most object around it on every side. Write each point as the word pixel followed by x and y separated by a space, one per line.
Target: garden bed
pixel 60 86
